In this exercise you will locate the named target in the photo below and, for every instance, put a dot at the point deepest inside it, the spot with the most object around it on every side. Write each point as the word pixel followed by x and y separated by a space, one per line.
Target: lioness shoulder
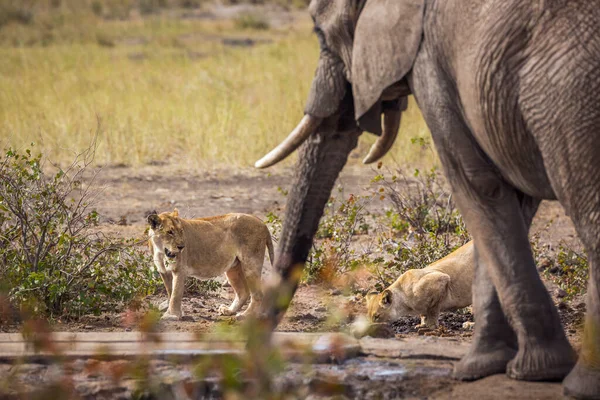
pixel 442 286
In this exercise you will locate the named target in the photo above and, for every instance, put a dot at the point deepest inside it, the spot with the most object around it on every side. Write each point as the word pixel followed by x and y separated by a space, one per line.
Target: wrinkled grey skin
pixel 510 91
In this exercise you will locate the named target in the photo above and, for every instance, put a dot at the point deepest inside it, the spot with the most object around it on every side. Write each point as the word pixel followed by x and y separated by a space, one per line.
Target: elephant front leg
pixel 494 341
pixel 174 311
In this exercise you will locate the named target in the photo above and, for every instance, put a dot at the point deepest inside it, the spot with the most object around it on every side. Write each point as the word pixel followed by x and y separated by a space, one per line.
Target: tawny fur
pixel 442 286
pixel 204 248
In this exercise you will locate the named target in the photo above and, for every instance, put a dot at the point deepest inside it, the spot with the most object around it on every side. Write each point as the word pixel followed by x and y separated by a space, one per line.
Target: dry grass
pixel 163 87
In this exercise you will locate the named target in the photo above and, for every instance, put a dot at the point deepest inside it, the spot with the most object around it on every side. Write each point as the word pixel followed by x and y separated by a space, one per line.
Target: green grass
pixel 162 87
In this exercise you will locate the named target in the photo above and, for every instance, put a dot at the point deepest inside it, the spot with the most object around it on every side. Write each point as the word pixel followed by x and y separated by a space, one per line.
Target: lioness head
pixel 387 306
pixel 167 232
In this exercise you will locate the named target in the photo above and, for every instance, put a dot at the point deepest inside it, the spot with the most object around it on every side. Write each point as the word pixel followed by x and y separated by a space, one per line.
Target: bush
pixel 420 226
pixel 251 21
pixel 52 259
pixel 12 11
pixel 334 251
pixel 423 223
pixel 151 6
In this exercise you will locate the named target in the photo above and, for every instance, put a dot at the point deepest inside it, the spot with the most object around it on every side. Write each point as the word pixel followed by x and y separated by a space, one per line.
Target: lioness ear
pixel 370 296
pixel 175 212
pixel 386 297
pixel 387 37
pixel 154 221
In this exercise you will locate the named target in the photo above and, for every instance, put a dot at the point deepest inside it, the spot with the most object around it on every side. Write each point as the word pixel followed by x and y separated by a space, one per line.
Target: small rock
pixel 581 306
pixel 305 317
pixel 128 329
pixel 335 292
pixel 545 263
pixel 561 293
pixel 335 346
pixel 88 327
pixel 321 309
pixel 381 331
pixel 329 388
pixel 468 325
pixel 186 318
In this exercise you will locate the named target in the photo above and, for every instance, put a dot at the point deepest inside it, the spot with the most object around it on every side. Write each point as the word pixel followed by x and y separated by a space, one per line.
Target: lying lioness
pixel 442 286
pixel 204 248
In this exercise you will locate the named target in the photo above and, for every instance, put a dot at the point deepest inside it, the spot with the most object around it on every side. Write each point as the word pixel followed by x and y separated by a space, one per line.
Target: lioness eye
pixel 170 232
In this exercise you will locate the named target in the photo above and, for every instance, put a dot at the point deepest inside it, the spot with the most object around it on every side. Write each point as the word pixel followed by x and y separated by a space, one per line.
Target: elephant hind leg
pixel 572 153
pixel 584 380
pixel 499 216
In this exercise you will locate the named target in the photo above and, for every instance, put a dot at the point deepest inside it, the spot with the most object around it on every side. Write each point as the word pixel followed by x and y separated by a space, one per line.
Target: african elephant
pixel 509 90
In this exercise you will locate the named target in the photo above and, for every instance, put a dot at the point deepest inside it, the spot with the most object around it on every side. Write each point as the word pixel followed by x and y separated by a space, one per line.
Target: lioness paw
pixel 224 310
pixel 170 317
pixel 240 316
pixel 164 306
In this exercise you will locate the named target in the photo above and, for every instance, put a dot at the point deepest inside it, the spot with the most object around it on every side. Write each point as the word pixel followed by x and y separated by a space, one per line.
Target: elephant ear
pixel 387 38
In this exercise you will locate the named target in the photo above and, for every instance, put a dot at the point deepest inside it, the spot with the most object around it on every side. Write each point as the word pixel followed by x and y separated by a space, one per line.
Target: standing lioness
pixel 204 248
pixel 442 286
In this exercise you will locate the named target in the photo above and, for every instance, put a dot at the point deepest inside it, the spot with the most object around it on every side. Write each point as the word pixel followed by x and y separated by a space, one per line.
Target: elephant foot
pixel 164 306
pixel 479 364
pixel 551 362
pixel 170 317
pixel 582 383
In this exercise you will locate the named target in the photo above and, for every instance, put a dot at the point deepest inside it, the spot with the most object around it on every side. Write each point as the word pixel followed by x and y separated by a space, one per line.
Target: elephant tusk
pixel 305 128
pixel 391 124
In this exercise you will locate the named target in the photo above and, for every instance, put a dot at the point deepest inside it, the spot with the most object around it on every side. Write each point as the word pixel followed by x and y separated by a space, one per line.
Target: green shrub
pixel 201 287
pixel 53 259
pixel 420 226
pixel 97 8
pixel 251 21
pixel 568 269
pixel 12 11
pixel 150 6
pixel 423 223
pixel 190 3
pixel 333 252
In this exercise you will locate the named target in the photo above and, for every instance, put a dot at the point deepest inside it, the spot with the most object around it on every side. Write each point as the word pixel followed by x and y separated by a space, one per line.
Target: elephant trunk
pixel 322 157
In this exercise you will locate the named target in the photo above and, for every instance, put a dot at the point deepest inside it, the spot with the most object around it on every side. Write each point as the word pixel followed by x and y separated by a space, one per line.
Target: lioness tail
pixel 270 248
